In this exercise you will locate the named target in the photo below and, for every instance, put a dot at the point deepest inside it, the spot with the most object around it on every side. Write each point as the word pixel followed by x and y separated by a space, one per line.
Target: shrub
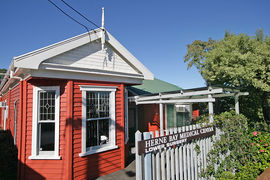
pixel 241 152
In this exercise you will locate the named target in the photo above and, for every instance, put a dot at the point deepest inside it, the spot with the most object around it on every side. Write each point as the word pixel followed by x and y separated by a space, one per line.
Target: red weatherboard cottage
pixel 65 106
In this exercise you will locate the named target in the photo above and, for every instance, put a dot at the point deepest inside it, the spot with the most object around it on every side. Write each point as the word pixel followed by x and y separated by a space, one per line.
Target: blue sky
pixel 155 31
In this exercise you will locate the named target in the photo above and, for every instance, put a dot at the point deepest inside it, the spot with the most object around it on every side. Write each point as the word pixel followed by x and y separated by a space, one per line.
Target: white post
pixel 138 137
pixel 161 116
pixel 126 116
pixel 147 160
pixel 237 103
pixel 211 110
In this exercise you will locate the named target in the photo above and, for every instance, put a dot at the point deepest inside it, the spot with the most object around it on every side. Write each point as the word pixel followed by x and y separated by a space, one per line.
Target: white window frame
pixel 45 154
pixel 112 137
pixel 174 114
pixel 6 115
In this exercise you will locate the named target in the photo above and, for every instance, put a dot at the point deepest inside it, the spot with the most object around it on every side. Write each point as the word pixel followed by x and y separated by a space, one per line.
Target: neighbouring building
pixel 145 117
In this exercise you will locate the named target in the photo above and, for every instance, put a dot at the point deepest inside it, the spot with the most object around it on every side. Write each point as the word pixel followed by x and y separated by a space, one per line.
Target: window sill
pixel 98 150
pixel 45 157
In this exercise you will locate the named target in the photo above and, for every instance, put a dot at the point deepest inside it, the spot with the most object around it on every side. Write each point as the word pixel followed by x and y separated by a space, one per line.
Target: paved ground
pixel 265 175
pixel 128 173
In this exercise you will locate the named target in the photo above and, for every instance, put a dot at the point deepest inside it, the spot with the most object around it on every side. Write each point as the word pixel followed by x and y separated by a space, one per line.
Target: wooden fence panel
pixel 173 161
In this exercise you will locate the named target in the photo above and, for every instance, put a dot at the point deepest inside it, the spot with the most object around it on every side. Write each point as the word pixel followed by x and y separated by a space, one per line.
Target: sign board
pixel 154 144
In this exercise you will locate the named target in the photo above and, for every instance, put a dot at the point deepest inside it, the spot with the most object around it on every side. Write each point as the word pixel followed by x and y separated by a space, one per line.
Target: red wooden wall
pixel 70 166
pixel 11 96
pixel 99 164
pixel 48 169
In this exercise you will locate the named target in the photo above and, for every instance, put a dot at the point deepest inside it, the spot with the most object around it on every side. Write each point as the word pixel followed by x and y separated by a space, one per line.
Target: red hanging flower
pixel 261 150
pixel 252 144
pixel 266 144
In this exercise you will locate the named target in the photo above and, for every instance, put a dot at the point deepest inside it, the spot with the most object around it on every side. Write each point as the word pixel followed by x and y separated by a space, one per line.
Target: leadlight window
pixel 45 125
pixel 46 121
pixel 98 119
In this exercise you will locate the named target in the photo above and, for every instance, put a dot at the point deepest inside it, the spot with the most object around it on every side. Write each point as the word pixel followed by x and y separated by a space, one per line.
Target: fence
pixel 177 153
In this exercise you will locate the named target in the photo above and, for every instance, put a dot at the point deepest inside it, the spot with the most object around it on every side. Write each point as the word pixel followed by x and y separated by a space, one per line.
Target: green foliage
pixel 2 71
pixel 238 61
pixel 241 152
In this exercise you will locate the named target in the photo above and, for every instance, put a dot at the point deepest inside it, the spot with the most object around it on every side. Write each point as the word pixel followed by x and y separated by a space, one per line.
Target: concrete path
pixel 128 173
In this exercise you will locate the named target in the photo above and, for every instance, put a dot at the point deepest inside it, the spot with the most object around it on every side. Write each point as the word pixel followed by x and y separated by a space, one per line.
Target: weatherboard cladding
pixel 98 164
pixel 91 56
pixel 87 167
pixel 48 169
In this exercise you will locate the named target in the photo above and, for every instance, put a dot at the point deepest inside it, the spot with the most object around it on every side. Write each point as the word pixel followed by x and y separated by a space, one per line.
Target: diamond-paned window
pixel 46 124
pixel 98 118
pixel 46 105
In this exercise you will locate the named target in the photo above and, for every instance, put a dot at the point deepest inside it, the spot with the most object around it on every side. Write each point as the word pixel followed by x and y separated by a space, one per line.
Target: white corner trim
pixel 34 152
pixel 107 148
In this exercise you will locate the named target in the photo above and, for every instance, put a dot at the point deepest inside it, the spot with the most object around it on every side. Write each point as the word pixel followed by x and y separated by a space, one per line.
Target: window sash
pixel 111 144
pixel 98 131
pixel 37 123
pixel 94 99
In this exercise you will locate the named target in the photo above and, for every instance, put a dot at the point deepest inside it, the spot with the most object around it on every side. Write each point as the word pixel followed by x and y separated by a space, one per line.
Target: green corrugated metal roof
pixel 153 87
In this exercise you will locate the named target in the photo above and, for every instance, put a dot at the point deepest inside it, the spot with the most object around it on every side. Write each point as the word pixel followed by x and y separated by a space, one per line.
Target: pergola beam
pixel 180 94
pixel 176 101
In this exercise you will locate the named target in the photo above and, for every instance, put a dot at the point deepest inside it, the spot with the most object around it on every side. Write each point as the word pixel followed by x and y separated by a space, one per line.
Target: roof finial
pixel 103 31
pixel 102 23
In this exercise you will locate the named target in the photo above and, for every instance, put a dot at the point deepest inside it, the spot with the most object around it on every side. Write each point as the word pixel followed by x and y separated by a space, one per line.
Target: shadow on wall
pixel 9 158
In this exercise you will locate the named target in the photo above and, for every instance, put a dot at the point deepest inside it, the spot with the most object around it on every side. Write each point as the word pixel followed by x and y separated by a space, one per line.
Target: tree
pixel 238 61
pixel 2 73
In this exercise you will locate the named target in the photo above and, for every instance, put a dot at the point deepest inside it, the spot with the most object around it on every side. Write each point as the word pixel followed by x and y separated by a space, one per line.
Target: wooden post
pixel 211 110
pixel 157 161
pixel 237 103
pixel 161 116
pixel 138 137
pixel 147 160
pixel 163 172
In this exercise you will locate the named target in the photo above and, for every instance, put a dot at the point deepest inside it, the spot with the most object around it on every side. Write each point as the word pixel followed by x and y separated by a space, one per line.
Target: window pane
pixel 91 133
pixel 180 119
pixel 91 105
pixel 47 105
pixel 104 104
pixel 103 131
pixel 97 104
pixel 46 136
pixel 170 115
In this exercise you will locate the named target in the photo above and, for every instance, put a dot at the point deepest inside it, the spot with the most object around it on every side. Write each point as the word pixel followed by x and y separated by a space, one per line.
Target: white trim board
pixel 84 76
